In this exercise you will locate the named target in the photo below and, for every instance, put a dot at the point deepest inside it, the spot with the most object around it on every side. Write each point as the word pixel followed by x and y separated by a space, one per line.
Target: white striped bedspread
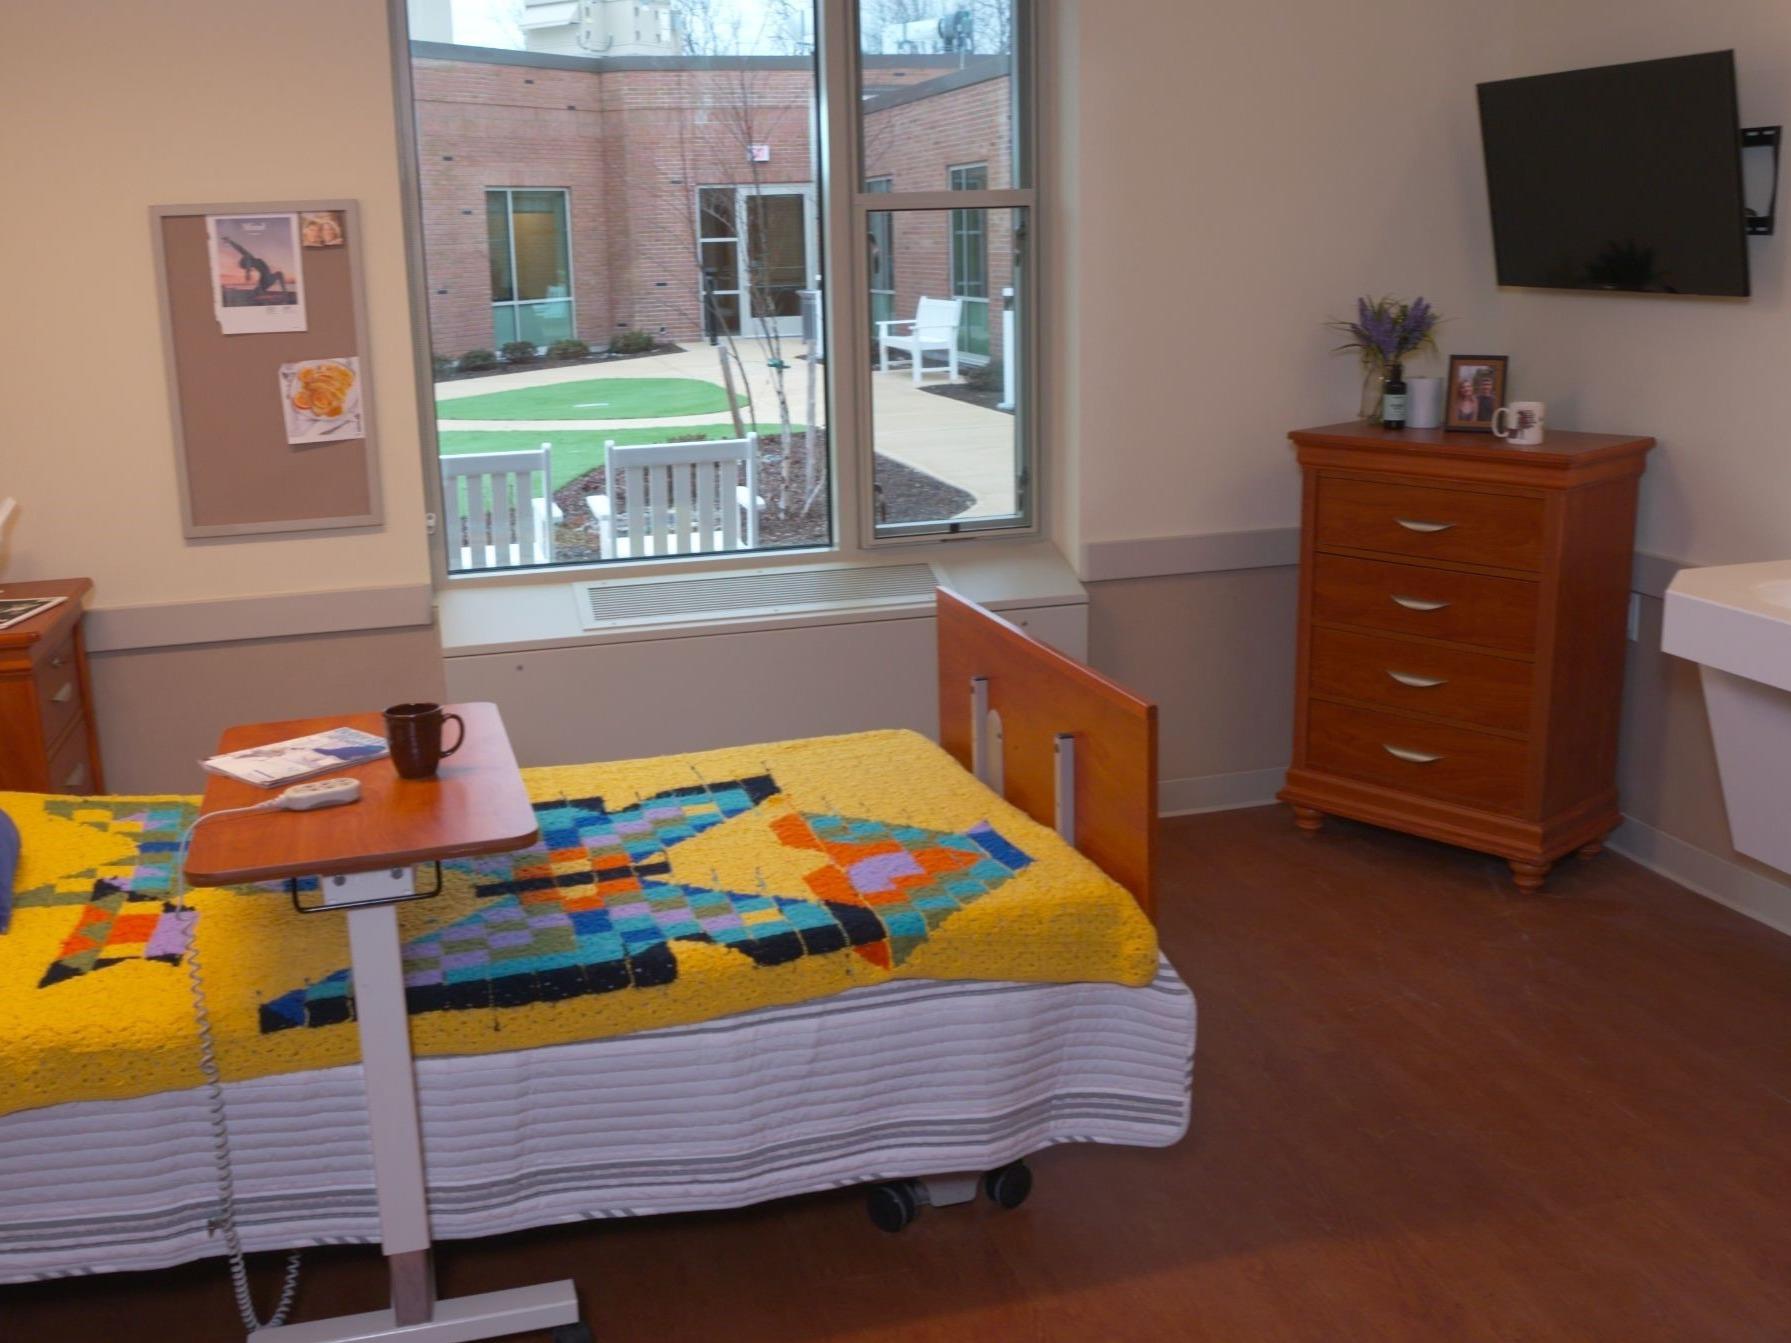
pixel 907 1078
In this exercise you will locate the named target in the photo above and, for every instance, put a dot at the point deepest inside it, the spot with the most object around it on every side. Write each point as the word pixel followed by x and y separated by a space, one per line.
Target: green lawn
pixel 593 399
pixel 576 451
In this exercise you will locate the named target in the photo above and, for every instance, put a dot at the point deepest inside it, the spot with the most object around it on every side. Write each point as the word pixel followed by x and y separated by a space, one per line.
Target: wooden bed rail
pixel 1040 696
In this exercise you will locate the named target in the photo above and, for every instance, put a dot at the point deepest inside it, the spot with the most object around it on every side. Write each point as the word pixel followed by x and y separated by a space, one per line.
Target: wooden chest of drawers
pixel 47 738
pixel 1462 616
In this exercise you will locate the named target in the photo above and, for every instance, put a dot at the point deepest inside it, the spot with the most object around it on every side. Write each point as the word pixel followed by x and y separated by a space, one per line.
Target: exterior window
pixel 531 265
pixel 672 290
pixel 970 264
pixel 944 102
pixel 882 258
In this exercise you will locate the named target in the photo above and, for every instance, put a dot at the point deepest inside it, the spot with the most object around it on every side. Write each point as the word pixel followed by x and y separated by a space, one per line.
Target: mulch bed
pixel 598 357
pixel 903 495
pixel 962 391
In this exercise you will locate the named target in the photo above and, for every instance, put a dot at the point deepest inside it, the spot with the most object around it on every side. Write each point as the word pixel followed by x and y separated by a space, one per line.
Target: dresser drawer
pixel 57 676
pixel 1432 759
pixel 1467 527
pixel 1477 609
pixel 1476 688
pixel 69 769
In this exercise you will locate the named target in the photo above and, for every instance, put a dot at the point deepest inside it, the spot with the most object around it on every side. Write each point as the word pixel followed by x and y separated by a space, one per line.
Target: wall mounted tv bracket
pixel 1764 137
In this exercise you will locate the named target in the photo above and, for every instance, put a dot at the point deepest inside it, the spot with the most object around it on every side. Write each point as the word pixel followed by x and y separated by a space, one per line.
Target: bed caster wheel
pixel 572 1333
pixel 1009 1186
pixel 892 1206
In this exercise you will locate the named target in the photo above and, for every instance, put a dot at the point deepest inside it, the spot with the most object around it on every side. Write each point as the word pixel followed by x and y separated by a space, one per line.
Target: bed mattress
pixel 898 1079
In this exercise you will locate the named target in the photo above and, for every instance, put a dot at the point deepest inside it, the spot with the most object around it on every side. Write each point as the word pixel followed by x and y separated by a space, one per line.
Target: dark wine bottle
pixel 1393 399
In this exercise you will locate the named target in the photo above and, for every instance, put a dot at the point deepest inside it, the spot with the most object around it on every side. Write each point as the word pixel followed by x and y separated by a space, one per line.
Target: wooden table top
pixel 476 804
pixel 27 632
pixel 1561 447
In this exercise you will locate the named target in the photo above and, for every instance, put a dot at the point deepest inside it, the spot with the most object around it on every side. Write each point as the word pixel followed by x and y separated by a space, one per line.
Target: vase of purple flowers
pixel 1386 332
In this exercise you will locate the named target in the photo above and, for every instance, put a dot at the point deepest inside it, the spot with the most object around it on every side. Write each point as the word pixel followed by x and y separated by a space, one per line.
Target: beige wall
pixel 1243 172
pixel 161 709
pixel 109 111
pixel 1707 377
pixel 1216 653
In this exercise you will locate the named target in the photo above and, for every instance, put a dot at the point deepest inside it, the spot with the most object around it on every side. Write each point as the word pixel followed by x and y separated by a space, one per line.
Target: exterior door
pixel 778 224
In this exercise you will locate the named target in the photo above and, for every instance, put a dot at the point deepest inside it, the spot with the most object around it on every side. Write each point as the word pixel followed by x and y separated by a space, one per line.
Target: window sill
pixel 541 612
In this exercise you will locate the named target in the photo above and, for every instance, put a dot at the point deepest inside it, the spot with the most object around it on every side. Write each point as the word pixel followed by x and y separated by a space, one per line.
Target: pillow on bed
pixel 9 863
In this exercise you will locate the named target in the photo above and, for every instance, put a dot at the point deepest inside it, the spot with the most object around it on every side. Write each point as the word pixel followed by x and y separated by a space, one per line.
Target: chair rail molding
pixel 279 615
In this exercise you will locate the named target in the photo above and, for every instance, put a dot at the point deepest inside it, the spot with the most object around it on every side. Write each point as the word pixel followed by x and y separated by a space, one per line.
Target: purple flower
pixel 1387 330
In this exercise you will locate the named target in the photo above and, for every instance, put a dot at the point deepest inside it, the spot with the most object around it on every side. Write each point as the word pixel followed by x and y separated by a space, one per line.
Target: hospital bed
pixel 924 1089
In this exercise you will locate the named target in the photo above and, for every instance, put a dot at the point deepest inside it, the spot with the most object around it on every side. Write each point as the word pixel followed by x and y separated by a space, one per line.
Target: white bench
pixel 934 326
pixel 496 517
pixel 679 498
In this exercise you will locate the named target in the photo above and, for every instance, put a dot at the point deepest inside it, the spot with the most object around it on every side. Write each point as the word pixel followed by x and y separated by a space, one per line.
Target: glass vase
pixel 1374 384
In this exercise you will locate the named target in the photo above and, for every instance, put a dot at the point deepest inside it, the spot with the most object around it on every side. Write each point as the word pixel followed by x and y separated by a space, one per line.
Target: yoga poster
pixel 256 275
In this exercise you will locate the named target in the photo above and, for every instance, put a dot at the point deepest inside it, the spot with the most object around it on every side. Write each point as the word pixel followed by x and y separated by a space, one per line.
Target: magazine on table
pixel 15 610
pixel 283 762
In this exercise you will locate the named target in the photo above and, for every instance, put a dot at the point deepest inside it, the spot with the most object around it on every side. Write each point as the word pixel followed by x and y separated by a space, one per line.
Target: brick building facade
pixel 631 141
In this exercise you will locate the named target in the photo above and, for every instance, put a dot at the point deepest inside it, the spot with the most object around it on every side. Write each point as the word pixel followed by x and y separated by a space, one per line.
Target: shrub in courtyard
pixel 568 349
pixel 519 351
pixel 984 377
pixel 631 342
pixel 445 364
pixel 474 360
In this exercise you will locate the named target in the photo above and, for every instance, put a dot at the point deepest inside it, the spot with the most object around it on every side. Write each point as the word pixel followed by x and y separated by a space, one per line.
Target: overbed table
pixel 364 855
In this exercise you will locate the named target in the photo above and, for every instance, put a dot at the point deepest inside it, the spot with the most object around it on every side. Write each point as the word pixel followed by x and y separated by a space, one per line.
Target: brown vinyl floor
pixel 1425 1108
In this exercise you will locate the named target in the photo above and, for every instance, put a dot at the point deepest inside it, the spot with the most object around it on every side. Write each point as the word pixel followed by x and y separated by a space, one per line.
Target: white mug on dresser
pixel 1526 419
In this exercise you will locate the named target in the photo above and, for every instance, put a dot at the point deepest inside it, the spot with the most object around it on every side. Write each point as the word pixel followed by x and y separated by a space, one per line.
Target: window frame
pixel 842 218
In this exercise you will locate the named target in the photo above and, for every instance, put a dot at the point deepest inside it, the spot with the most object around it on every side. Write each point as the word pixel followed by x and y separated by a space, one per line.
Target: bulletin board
pixel 264 328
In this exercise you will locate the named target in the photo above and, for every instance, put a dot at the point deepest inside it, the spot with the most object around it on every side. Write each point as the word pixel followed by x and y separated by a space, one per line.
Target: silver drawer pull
pixel 1418 682
pixel 1414 525
pixel 59 662
pixel 1415 757
pixel 1418 604
pixel 64 695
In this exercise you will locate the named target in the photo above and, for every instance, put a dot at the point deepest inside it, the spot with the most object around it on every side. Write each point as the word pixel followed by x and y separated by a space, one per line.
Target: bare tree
pixel 729 105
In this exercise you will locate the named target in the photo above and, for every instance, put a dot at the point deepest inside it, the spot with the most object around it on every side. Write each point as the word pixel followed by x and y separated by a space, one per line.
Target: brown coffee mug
pixel 415 734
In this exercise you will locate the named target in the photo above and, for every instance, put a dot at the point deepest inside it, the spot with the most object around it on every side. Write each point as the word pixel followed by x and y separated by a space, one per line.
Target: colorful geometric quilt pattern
pixel 124 915
pixel 592 908
pixel 145 872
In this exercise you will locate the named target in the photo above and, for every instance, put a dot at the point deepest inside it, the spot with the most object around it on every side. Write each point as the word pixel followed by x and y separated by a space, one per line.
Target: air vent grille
pixel 608 604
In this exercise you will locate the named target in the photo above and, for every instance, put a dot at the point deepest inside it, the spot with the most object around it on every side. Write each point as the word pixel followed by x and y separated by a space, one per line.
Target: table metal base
pixel 459 1319
pixel 367 898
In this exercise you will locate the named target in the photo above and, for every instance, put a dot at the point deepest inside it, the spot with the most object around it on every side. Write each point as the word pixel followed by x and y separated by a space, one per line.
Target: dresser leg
pixel 1308 820
pixel 1529 875
pixel 1591 850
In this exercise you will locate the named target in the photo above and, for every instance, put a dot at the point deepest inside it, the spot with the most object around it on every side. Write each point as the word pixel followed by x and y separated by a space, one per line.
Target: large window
pixel 531 265
pixel 673 354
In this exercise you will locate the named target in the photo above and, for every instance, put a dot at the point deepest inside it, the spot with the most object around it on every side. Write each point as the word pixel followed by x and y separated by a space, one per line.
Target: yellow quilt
pixel 661 892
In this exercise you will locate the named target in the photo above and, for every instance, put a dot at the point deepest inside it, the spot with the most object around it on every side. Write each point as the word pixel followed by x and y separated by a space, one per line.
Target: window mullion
pixel 845 283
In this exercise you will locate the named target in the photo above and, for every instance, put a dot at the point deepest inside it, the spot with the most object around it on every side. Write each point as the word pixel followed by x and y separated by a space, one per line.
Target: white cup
pixel 1526 423
pixel 1424 403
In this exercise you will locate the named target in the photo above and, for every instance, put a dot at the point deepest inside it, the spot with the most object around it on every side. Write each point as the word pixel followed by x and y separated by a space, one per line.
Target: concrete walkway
pixel 961 444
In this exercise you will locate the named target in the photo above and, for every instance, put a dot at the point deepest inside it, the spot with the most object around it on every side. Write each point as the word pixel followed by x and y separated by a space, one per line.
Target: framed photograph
pixel 321 228
pixel 1474 389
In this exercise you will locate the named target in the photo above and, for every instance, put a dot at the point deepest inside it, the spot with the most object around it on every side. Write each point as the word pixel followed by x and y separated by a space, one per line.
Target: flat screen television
pixel 1623 177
